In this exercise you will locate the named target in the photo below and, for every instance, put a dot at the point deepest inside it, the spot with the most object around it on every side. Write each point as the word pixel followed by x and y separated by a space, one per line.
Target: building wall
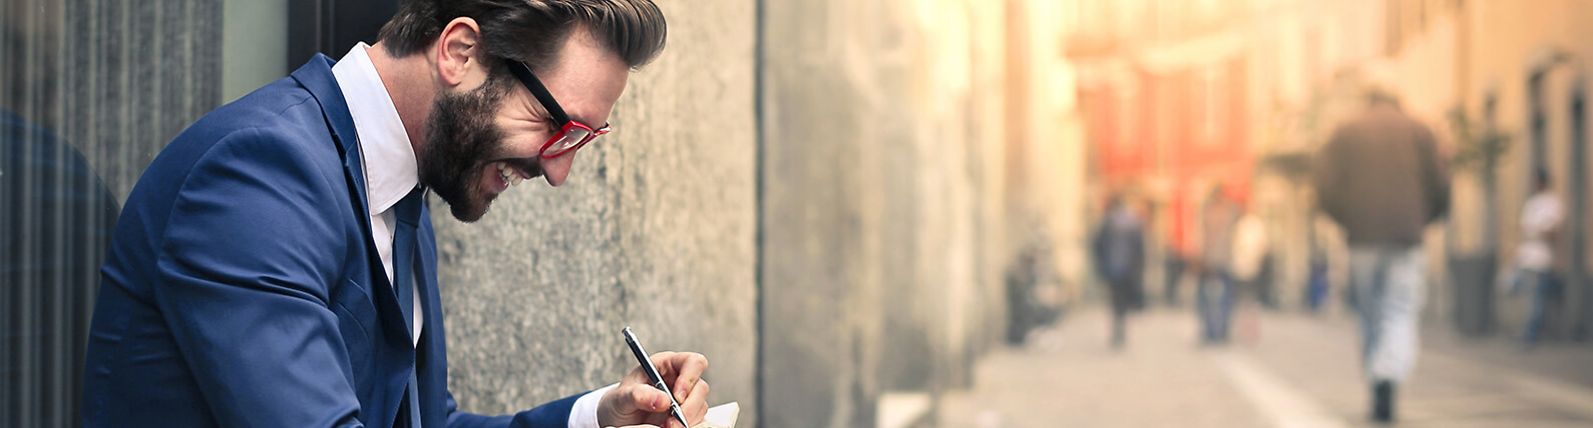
pixel 886 195
pixel 1507 42
pixel 1046 154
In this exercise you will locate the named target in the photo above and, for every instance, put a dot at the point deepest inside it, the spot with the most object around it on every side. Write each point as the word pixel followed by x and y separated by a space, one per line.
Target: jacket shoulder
pixel 279 120
pixel 278 131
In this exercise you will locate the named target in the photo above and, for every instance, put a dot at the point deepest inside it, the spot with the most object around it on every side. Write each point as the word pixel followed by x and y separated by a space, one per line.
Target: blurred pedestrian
pixel 1215 292
pixel 1020 282
pixel 1321 262
pixel 1119 253
pixel 1541 217
pixel 1381 178
pixel 1173 276
pixel 1034 295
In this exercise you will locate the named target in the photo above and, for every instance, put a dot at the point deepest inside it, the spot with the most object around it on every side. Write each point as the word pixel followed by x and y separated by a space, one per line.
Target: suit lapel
pixel 316 77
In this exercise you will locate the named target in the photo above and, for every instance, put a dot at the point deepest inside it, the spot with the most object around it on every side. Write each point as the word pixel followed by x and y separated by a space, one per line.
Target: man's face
pixel 477 137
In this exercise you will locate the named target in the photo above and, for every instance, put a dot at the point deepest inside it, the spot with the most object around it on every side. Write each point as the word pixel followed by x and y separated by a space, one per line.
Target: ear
pixel 456 53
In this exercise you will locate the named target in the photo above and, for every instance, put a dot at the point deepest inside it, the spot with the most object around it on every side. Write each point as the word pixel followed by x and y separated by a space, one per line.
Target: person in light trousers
pixel 1381 177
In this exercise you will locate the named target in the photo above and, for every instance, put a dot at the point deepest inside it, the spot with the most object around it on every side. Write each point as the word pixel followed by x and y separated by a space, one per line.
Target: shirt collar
pixel 390 167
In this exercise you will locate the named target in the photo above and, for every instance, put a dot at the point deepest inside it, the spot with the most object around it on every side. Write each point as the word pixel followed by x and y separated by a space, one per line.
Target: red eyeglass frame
pixel 566 125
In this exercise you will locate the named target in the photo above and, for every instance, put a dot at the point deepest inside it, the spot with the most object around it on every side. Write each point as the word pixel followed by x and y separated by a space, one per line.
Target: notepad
pixel 721 416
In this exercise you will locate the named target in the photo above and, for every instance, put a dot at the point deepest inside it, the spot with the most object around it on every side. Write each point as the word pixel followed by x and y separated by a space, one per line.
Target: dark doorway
pixel 333 26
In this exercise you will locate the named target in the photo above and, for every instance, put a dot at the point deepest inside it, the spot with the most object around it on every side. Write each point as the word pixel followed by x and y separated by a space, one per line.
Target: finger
pixel 687 369
pixel 696 405
pixel 664 361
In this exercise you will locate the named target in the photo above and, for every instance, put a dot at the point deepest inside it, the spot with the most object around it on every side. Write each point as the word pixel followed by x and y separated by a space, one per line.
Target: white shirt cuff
pixel 584 413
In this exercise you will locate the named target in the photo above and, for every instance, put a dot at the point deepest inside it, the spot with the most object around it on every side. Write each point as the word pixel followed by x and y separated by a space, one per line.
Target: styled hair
pixel 531 31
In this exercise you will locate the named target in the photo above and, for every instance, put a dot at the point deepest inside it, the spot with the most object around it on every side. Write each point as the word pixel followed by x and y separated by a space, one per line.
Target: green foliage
pixel 1480 147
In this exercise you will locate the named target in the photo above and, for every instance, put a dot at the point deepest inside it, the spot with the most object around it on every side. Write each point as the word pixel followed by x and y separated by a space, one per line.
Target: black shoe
pixel 1383 402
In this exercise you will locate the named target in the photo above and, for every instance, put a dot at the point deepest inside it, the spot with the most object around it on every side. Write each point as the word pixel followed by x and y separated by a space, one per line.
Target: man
pixel 1119 250
pixel 1382 179
pixel 1541 217
pixel 1214 294
pixel 276 266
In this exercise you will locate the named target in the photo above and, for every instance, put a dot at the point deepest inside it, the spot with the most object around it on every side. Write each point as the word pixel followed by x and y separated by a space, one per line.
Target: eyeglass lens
pixel 573 137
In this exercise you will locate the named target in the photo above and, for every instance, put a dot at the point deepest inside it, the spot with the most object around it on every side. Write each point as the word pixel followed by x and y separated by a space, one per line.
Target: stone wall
pixel 882 203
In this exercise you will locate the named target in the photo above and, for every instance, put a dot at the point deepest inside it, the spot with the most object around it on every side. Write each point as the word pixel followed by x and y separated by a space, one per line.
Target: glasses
pixel 572 134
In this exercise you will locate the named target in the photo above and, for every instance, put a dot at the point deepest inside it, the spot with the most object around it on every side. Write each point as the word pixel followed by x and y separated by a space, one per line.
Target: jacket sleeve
pixel 244 267
pixel 555 414
pixel 1326 176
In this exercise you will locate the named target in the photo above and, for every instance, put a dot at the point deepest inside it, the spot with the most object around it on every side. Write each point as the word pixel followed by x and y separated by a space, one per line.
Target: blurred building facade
pixel 1182 95
pixel 1520 71
pixel 911 149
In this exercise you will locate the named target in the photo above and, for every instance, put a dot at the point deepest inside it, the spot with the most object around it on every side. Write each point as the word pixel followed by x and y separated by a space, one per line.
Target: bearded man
pixel 276 266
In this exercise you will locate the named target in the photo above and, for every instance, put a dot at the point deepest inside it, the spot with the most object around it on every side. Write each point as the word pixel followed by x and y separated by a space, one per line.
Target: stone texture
pixel 654 230
pixel 873 274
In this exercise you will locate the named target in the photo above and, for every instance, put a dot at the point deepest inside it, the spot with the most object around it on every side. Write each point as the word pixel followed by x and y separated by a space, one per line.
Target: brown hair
pixel 531 31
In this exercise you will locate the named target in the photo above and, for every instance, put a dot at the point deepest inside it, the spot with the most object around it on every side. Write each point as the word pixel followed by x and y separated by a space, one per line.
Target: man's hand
pixel 636 401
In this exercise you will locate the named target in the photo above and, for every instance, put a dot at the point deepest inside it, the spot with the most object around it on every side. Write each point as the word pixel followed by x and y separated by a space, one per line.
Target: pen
pixel 652 373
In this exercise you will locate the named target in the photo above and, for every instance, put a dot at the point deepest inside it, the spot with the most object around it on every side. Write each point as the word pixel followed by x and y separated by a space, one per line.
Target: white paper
pixel 721 416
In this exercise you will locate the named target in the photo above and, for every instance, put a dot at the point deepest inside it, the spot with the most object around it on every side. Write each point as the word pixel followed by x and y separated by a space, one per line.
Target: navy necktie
pixel 404 242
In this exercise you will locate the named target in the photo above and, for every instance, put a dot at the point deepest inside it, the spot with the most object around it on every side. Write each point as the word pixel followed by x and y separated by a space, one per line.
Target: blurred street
pixel 1284 369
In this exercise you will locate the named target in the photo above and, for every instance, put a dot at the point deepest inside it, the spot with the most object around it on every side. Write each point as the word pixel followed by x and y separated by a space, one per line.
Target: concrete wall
pixel 653 230
pixel 884 195
pixel 1503 44
pixel 820 262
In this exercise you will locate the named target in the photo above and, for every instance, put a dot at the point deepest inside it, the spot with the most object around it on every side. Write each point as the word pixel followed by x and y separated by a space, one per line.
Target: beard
pixel 460 140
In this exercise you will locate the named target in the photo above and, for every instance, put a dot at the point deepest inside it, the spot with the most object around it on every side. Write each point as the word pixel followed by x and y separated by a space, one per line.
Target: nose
pixel 556 170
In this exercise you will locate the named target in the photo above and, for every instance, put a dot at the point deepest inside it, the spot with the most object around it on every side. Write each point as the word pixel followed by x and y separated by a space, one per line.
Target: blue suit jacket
pixel 242 289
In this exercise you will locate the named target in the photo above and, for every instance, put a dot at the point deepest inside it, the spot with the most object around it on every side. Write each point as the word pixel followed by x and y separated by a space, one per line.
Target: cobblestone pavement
pixel 1283 370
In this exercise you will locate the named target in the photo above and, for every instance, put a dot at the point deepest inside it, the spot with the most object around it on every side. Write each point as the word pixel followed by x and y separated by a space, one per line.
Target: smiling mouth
pixel 511 174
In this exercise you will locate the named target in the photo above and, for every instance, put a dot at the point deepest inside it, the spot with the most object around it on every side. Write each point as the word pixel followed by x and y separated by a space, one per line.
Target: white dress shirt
pixel 1540 215
pixel 391 172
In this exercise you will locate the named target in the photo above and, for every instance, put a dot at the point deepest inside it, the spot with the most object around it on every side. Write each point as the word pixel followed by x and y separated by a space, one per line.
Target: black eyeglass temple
pixel 537 90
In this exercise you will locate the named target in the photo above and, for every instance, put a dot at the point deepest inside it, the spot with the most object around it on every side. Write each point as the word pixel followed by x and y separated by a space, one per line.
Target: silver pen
pixel 652 373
